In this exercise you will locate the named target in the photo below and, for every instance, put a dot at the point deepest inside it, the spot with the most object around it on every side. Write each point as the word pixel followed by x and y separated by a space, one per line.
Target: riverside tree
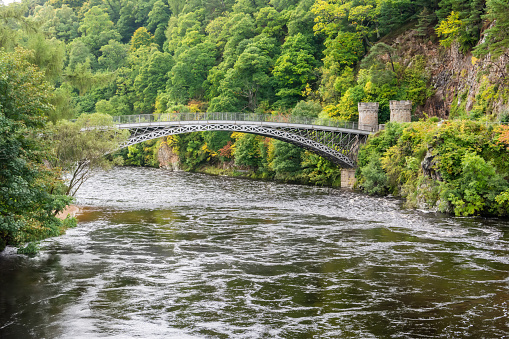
pixel 80 147
pixel 30 193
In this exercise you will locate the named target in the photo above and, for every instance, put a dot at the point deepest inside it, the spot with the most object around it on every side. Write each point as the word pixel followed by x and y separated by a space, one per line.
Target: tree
pixel 113 55
pixel 141 37
pixel 12 24
pixel 151 80
pixel 60 23
pixel 287 160
pixel 187 77
pixel 497 36
pixel 460 20
pixel 81 146
pixel 449 29
pixel 293 69
pixel 158 21
pixel 30 193
pixel 248 77
pixel 307 109
pixel 247 150
pixel 378 51
pixel 97 29
pixel 341 53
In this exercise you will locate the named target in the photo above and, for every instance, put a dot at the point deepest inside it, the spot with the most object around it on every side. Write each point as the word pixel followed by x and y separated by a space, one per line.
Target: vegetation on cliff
pixel 456 166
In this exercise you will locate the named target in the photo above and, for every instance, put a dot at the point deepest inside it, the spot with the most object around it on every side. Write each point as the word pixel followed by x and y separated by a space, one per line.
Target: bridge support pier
pixel 348 177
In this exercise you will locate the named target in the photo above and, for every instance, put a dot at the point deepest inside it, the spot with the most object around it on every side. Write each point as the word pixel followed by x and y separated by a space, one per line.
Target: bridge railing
pixel 224 116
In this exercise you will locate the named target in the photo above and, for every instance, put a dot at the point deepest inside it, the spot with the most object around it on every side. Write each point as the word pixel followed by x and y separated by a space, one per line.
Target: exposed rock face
pixel 428 164
pixel 167 158
pixel 457 78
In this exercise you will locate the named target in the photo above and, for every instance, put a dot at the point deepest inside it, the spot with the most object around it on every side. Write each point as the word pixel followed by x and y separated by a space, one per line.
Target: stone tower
pixel 368 116
pixel 401 111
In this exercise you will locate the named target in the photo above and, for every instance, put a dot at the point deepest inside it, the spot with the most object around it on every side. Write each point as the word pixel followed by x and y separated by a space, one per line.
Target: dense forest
pixel 61 59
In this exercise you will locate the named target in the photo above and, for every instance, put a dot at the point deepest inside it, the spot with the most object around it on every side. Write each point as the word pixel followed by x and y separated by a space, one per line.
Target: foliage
pixel 293 69
pixel 307 109
pixel 449 29
pixel 80 146
pixel 30 193
pixel 287 159
pixel 458 166
pixel 320 171
pixel 247 150
pixel 497 36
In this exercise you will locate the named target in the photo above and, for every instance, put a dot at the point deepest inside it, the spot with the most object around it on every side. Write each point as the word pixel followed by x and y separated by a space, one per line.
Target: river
pixel 160 254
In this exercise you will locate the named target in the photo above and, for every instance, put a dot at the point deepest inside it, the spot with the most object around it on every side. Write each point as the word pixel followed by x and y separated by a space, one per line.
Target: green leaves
pixel 79 147
pixel 30 193
pixel 287 160
pixel 294 69
pixel 457 167
pixel 497 36
pixel 449 29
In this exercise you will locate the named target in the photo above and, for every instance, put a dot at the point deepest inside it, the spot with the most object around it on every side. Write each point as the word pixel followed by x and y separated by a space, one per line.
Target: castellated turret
pixel 401 111
pixel 368 116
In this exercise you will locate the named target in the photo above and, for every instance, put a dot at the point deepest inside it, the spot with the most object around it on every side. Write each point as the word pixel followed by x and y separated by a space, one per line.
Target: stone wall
pixel 348 177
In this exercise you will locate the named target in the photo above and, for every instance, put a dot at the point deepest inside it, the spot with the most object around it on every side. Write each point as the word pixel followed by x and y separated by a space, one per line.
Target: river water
pixel 159 254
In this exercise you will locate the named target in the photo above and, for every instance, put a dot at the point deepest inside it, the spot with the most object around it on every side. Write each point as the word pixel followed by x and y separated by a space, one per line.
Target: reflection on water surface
pixel 178 255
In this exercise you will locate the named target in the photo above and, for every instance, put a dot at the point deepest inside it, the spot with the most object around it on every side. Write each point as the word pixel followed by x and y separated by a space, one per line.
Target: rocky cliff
pixel 463 85
pixel 167 158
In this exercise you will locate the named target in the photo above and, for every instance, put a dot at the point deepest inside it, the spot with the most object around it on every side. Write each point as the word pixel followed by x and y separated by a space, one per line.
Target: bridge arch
pixel 340 145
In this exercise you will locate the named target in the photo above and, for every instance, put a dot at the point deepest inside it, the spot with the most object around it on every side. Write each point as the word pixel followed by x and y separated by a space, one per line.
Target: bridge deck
pixel 335 140
pixel 268 120
pixel 234 122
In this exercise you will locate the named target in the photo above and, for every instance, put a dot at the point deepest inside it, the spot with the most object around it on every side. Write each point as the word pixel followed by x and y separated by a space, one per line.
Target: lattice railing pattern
pixel 338 144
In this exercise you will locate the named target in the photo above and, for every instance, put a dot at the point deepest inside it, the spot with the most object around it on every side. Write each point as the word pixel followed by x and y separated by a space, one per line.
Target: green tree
pixel 113 55
pixel 81 146
pixel 497 36
pixel 187 77
pixel 247 151
pixel 97 29
pixel 287 159
pixel 477 186
pixel 307 109
pixel 141 37
pixel 151 80
pixel 30 193
pixel 248 77
pixel 294 69
pixel 61 23
pixel 158 21
pixel 320 171
pixel 341 54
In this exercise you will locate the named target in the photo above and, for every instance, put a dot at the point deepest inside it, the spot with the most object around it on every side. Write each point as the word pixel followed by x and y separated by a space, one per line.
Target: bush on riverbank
pixel 458 166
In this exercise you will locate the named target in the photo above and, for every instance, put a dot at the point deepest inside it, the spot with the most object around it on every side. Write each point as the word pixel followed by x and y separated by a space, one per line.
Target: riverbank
pixel 263 176
pixel 70 210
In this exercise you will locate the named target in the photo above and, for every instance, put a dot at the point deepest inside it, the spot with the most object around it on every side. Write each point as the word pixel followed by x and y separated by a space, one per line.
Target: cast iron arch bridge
pixel 337 141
